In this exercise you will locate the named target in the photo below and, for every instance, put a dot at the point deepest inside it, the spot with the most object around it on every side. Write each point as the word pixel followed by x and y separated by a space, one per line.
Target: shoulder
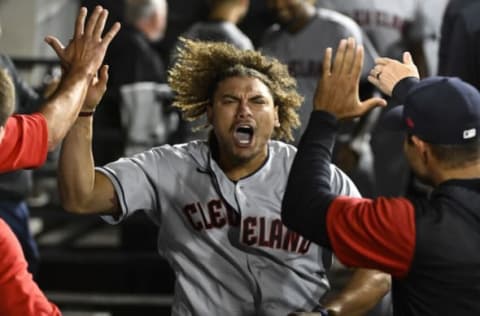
pixel 192 152
pixel 162 160
pixel 194 29
pixel 272 34
pixel 281 152
pixel 338 20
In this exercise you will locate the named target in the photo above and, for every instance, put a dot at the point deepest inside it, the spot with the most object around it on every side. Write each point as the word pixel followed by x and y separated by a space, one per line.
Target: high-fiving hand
pixel 338 89
pixel 87 48
pixel 388 72
pixel 86 51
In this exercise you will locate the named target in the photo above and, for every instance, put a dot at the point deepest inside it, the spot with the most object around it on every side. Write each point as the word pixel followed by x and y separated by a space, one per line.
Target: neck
pixel 469 171
pixel 237 168
pixel 304 16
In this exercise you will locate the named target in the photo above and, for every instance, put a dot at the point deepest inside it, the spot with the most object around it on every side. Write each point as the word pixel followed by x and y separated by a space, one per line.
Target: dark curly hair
pixel 200 66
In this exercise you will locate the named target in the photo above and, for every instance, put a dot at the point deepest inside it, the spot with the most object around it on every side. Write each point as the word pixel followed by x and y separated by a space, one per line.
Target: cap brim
pixel 393 120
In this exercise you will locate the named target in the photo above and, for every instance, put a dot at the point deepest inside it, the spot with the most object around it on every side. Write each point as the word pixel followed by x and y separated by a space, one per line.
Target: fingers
pixel 383 61
pixel 339 56
pixel 100 25
pixel 103 75
pixel 407 58
pixel 56 45
pixel 369 104
pixel 349 56
pixel 348 59
pixel 80 22
pixel 92 21
pixel 375 72
pixel 111 33
pixel 327 62
pixel 357 62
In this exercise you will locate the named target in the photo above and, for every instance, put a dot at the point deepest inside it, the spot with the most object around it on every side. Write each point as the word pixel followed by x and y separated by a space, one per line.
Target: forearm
pixel 308 193
pixel 62 109
pixel 76 171
pixel 363 291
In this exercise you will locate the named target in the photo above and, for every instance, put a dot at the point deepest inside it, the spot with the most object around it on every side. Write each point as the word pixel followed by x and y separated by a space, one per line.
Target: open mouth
pixel 243 134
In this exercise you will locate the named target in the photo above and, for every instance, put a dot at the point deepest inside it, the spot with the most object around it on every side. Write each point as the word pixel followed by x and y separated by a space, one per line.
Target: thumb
pixel 407 58
pixel 103 75
pixel 369 104
pixel 56 45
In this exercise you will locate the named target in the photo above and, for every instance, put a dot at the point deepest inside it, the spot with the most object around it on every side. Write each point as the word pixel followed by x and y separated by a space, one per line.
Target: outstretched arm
pixel 82 190
pixel 377 234
pixel 337 97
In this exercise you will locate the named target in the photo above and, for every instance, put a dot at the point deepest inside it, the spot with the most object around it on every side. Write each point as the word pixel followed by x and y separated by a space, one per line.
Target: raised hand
pixel 387 72
pixel 97 88
pixel 86 50
pixel 338 88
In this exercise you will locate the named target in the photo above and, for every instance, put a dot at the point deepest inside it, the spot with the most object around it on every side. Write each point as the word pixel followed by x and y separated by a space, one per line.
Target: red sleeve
pixel 377 234
pixel 19 294
pixel 25 144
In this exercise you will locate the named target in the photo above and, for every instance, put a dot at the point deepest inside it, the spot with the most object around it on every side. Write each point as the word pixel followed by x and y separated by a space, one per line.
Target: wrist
pixel 86 113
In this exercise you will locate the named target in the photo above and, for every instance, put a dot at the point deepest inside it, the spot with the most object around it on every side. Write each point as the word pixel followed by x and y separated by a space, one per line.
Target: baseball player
pixel 299 39
pixel 393 27
pixel 217 202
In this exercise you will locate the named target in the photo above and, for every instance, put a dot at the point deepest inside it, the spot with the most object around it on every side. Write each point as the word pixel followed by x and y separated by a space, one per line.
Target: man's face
pixel 243 116
pixel 157 24
pixel 286 11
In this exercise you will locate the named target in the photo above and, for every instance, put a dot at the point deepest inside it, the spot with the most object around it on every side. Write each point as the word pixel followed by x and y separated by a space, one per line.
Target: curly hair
pixel 200 66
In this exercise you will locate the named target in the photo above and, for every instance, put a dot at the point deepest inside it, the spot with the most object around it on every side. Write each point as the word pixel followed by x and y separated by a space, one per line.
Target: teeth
pixel 243 137
pixel 244 134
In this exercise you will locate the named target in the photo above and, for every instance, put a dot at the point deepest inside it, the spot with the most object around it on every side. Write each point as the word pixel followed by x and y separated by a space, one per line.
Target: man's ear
pixel 277 119
pixel 422 148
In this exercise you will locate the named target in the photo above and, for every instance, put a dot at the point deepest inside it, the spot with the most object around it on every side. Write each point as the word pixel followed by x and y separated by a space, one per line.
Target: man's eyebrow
pixel 257 95
pixel 229 95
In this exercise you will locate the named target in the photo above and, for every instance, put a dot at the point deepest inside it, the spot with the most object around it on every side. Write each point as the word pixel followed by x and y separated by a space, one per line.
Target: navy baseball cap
pixel 439 110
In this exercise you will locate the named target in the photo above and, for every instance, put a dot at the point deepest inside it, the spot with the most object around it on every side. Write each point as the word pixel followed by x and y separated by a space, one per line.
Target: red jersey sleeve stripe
pixel 377 234
pixel 25 144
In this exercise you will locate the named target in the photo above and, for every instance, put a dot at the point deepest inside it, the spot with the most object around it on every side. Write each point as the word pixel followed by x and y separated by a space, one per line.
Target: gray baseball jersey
pixel 386 22
pixel 303 52
pixel 225 240
pixel 219 31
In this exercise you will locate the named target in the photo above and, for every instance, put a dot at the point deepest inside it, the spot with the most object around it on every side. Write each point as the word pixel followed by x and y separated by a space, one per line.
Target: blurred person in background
pixel 393 27
pixel 459 45
pixel 298 39
pixel 133 60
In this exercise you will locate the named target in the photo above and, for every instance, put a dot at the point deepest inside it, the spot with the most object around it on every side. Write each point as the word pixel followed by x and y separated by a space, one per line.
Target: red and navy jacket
pixel 430 246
